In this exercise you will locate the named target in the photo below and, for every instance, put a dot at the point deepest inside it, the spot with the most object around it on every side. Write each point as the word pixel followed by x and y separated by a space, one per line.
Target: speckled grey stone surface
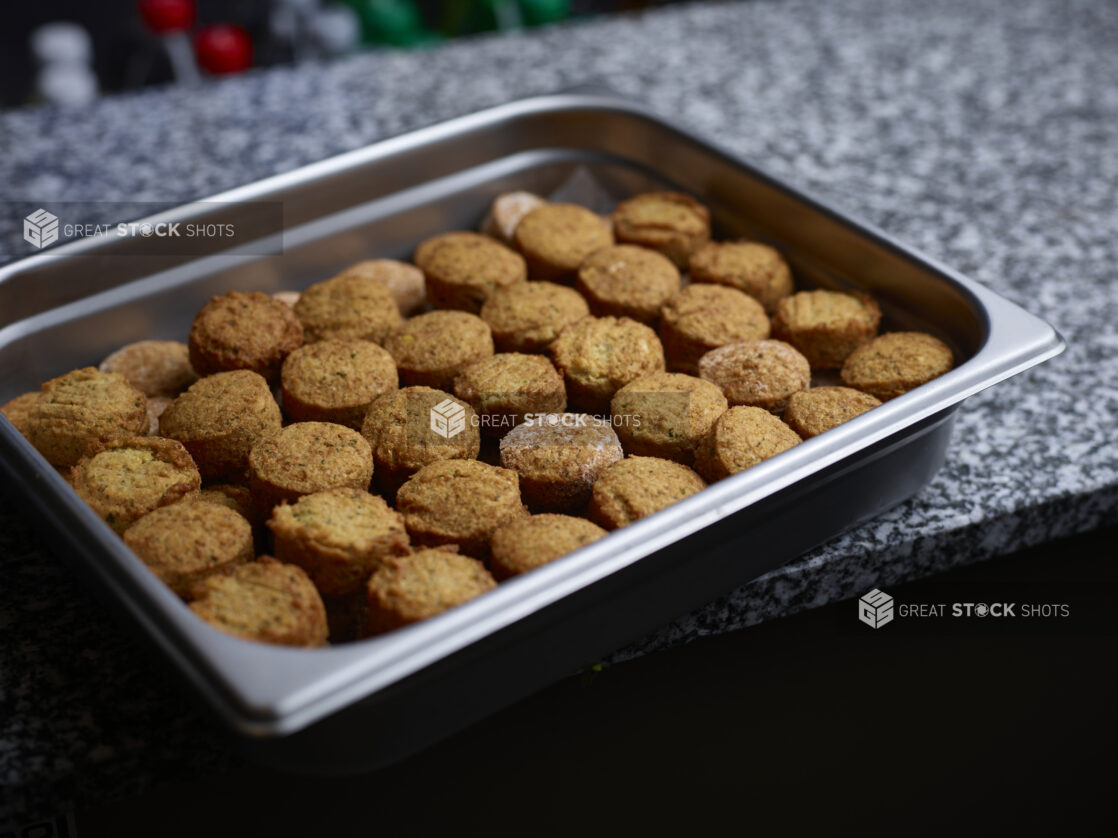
pixel 981 132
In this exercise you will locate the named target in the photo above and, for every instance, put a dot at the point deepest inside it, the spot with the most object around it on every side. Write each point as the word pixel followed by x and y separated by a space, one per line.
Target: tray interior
pixel 162 305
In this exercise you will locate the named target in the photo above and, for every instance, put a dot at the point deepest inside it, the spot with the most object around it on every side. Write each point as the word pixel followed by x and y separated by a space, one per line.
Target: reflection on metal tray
pixel 368 703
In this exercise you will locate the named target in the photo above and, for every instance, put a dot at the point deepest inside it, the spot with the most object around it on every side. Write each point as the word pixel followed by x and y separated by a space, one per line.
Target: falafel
pixel 243 331
pixel 220 418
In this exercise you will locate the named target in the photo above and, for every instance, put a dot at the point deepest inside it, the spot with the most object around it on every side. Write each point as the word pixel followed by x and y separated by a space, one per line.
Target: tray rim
pixel 231 673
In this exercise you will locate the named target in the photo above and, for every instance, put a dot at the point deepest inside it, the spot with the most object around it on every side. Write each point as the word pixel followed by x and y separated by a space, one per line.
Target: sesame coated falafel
pixel 558 457
pixel 398 427
pixel 307 457
pixel 349 305
pixel 463 269
pixel 459 502
pixel 243 331
pixel 431 349
pixel 600 355
pixel 896 362
pixel 124 479
pixel 636 487
pixel 266 601
pixel 555 238
pixel 505 387
pixel 704 317
pixel 627 281
pixel 335 380
pixel 423 585
pixel 826 326
pixel 666 414
pixel 154 367
pixel 528 316
pixel 671 223
pixel 184 542
pixel 219 418
pixel 811 412
pixel 762 373
pixel 751 267
pixel 531 542
pixel 742 437
pixel 84 406
pixel 339 537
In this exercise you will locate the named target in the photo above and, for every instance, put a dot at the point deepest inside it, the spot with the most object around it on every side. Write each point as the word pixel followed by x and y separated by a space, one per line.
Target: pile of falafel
pixel 398 439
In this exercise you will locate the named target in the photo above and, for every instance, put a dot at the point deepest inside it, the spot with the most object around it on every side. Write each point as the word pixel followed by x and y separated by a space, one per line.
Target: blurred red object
pixel 163 16
pixel 223 48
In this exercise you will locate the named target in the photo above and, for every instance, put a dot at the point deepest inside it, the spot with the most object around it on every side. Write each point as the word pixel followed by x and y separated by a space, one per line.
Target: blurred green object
pixel 539 12
pixel 400 22
pixel 395 22
pixel 468 17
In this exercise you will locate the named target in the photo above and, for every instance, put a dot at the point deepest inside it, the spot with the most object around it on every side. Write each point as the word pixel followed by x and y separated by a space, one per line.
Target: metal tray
pixel 366 704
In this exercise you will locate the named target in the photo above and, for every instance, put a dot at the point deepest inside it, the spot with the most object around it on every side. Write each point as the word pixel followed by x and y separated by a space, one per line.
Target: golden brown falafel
pixel 811 412
pixel 431 349
pixel 187 541
pixel 751 267
pixel 307 457
pixel 154 367
pixel 349 305
pixel 459 502
pixel 627 281
pixel 399 427
pixel 555 238
pixel 339 537
pixel 336 380
pixel 671 223
pixel 405 282
pixel 464 269
pixel 506 387
pixel 528 543
pixel 826 326
pixel 266 601
pixel 81 407
pixel 742 437
pixel 600 355
pixel 219 418
pixel 124 479
pixel 896 362
pixel 666 414
pixel 704 317
pixel 423 585
pixel 636 487
pixel 18 411
pixel 240 331
pixel 762 373
pixel 528 316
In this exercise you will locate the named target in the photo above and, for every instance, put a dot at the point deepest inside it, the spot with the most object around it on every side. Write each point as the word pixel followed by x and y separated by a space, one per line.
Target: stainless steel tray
pixel 368 703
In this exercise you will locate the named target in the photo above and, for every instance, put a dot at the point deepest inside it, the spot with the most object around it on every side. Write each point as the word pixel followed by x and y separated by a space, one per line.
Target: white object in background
pixel 64 52
pixel 336 29
pixel 61 43
pixel 66 84
pixel 180 52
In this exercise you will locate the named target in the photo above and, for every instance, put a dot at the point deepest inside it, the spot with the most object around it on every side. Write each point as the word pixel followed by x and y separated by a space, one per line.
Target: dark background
pixel 123 49
pixel 790 727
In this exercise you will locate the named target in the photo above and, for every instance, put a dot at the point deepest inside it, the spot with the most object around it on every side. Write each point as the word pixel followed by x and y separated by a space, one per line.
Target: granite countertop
pixel 981 132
